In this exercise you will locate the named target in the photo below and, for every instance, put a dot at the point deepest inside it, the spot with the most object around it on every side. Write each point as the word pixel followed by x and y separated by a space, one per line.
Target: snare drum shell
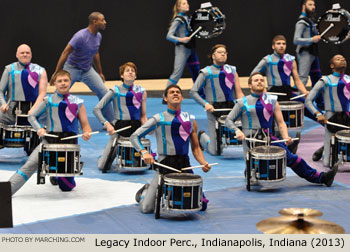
pixel 14 136
pixel 342 145
pixel 293 114
pixel 128 158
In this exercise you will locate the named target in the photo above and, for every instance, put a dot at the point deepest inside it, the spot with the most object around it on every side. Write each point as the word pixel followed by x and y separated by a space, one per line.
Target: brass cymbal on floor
pixel 295 225
pixel 306 212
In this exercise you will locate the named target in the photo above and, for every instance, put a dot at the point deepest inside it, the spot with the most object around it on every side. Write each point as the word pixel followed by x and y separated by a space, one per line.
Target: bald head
pixel 24 54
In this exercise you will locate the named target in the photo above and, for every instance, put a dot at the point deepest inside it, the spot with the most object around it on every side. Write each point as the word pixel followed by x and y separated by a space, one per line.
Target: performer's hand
pixel 322 119
pixel 4 108
pixel 184 40
pixel 102 77
pixel 148 158
pixel 41 132
pixel 206 167
pixel 316 38
pixel 209 107
pixel 240 135
pixel 306 93
pixel 289 140
pixel 110 129
pixel 86 135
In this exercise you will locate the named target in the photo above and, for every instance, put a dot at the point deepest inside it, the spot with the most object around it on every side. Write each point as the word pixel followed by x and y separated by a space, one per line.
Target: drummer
pixel 278 68
pixel 175 130
pixel 220 83
pixel 63 111
pixel 21 81
pixel 335 89
pixel 257 112
pixel 129 102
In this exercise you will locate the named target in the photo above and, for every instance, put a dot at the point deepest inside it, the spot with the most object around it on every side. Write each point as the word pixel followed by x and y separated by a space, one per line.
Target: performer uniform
pixel 18 83
pixel 127 103
pixel 218 84
pixel 184 52
pixel 336 92
pixel 172 129
pixel 256 112
pixel 61 116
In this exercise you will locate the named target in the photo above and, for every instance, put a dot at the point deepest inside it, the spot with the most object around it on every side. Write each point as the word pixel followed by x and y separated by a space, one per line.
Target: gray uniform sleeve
pixel 313 95
pixel 3 86
pixel 232 116
pixel 172 30
pixel 101 104
pixel 146 128
pixel 261 67
pixel 298 35
pixel 36 113
pixel 198 84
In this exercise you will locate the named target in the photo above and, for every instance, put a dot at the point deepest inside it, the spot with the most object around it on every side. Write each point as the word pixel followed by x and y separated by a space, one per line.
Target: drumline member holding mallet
pixel 174 130
pixel 129 103
pixel 21 81
pixel 63 111
pixel 257 111
pixel 220 83
pixel 179 33
pixel 335 89
pixel 279 67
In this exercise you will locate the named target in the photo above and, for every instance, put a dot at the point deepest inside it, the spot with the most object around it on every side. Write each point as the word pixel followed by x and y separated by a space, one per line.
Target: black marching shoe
pixel 328 177
pixel 317 154
pixel 53 181
pixel 139 193
pixel 294 146
pixel 199 138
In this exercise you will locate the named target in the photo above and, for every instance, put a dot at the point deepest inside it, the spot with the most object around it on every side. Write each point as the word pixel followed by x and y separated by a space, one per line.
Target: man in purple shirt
pixel 79 55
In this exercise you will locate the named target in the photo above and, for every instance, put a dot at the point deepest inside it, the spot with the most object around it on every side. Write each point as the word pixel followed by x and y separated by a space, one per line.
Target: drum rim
pixel 61 147
pixel 127 143
pixel 291 105
pixel 265 156
pixel 195 181
pixel 342 139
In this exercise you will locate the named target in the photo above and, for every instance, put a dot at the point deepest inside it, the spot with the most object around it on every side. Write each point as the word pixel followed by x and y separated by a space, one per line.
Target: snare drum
pixel 128 159
pixel 182 192
pixel 61 160
pixel 212 21
pixel 293 114
pixel 268 163
pixel 339 33
pixel 342 146
pixel 227 135
pixel 14 136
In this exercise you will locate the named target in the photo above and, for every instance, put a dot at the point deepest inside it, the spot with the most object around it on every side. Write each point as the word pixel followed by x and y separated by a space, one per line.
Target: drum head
pixel 291 105
pixel 211 20
pixel 125 142
pixel 343 136
pixel 182 179
pixel 268 152
pixel 222 119
pixel 340 31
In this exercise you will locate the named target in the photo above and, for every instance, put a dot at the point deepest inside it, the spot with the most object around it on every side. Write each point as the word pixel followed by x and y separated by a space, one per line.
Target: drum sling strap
pixel 313 48
pixel 192 43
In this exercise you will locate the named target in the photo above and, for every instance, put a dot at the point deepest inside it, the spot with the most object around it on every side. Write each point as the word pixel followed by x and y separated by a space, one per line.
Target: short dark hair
pixel 252 75
pixel 278 37
pixel 214 48
pixel 172 86
pixel 331 61
pixel 94 16
pixel 59 73
pixel 304 1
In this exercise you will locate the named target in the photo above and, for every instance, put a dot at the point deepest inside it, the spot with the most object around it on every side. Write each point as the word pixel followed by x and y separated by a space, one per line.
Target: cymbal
pixel 295 225
pixel 306 212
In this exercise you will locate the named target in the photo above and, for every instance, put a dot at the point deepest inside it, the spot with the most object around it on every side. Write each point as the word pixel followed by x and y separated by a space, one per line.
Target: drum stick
pixel 284 140
pixel 273 93
pixel 80 135
pixel 198 166
pixel 296 97
pixel 223 109
pixel 339 125
pixel 167 167
pixel 8 103
pixel 328 28
pixel 196 31
pixel 121 129
pixel 255 140
pixel 49 135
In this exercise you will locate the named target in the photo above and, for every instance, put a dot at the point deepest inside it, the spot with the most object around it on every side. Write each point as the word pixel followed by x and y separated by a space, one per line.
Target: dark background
pixel 136 32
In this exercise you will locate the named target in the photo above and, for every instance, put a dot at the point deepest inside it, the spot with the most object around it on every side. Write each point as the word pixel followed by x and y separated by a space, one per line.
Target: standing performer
pixel 278 68
pixel 129 102
pixel 178 33
pixel 335 89
pixel 219 82
pixel 257 112
pixel 175 130
pixel 62 114
pixel 79 55
pixel 306 39
pixel 21 81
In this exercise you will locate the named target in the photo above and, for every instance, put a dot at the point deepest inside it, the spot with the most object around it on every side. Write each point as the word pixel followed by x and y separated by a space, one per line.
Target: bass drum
pixel 211 20
pixel 339 33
